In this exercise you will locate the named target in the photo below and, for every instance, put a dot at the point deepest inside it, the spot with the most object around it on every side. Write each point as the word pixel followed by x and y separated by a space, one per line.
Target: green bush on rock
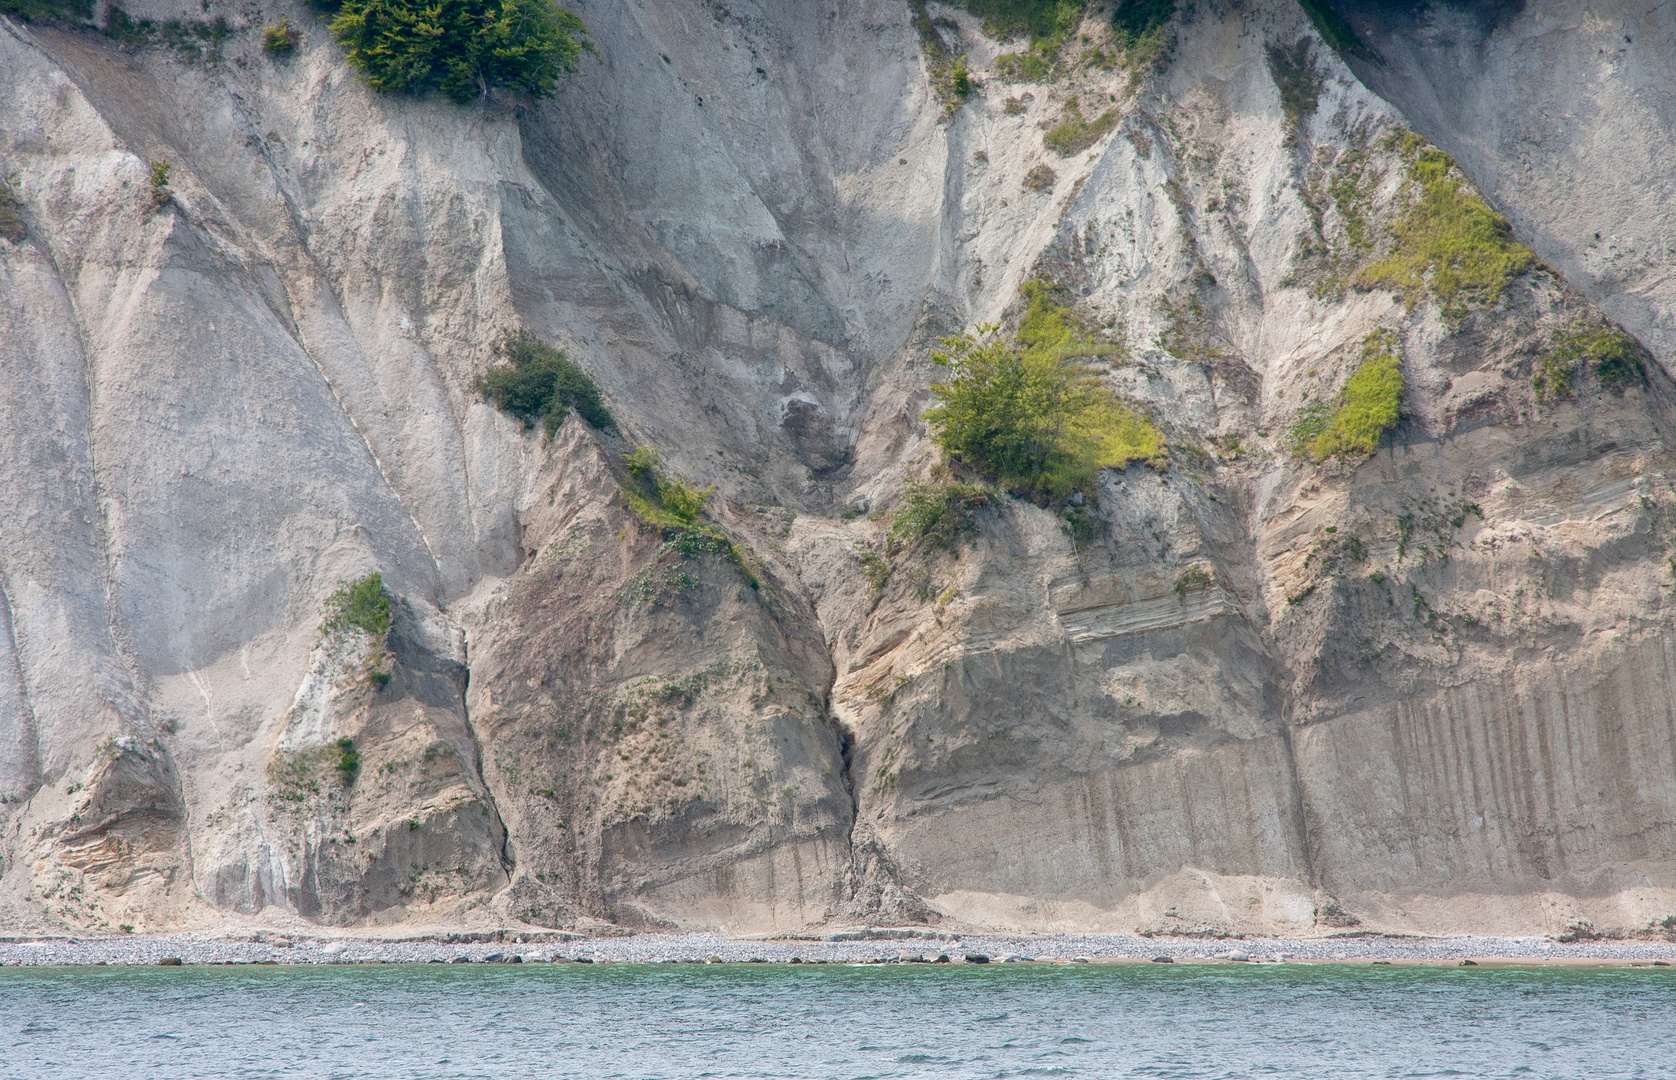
pixel 674 508
pixel 1031 417
pixel 463 48
pixel 362 604
pixel 939 514
pixel 536 382
pixel 1610 353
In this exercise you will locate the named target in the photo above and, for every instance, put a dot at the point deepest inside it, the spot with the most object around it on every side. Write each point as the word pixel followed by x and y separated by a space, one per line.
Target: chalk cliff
pixel 1242 692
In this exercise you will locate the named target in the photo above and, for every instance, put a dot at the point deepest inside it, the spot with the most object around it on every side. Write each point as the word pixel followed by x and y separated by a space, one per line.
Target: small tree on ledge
pixel 463 48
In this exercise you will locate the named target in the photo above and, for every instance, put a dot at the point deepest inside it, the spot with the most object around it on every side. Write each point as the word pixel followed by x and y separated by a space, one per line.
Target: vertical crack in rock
pixel 508 860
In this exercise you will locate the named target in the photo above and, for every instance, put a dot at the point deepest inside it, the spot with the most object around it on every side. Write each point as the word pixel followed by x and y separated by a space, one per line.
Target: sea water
pixel 836 1022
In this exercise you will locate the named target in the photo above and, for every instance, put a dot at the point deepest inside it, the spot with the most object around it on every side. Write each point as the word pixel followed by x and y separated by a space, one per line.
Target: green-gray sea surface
pixel 831 1021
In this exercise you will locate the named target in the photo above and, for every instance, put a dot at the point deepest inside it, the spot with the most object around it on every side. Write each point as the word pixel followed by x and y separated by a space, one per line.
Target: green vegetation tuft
pixel 951 78
pixel 12 226
pixel 160 192
pixel 31 10
pixel 1040 178
pixel 937 514
pixel 1051 327
pixel 195 40
pixel 280 38
pixel 1611 354
pixel 1368 406
pixel 674 508
pixel 362 604
pixel 537 382
pixel 1448 242
pixel 1074 133
pixel 462 48
pixel 1044 25
pixel 1031 417
pixel 1193 579
pixel 1297 78
pixel 348 762
pixel 1333 28
pixel 1141 31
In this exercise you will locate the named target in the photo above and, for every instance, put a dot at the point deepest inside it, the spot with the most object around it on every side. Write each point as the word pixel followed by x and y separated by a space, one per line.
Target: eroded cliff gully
pixel 1249 692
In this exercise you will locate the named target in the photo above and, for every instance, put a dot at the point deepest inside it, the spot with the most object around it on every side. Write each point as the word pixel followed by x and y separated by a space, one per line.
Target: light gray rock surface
pixel 1432 691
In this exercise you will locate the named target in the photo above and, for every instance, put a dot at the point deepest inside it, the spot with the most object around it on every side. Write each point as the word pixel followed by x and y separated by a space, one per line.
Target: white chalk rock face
pixel 1236 690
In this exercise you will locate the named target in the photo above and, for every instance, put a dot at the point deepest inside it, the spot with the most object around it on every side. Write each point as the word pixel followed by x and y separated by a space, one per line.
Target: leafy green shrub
pixel 875 567
pixel 1073 133
pixel 1368 406
pixel 1031 417
pixel 1311 422
pixel 160 192
pixel 661 499
pixel 537 382
pixel 30 10
pixel 280 38
pixel 1448 242
pixel 1610 353
pixel 348 762
pixel 362 604
pixel 939 514
pixel 463 48
pixel 1193 578
pixel 11 220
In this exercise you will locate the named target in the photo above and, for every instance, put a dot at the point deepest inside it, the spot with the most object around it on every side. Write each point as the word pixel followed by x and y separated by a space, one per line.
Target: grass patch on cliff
pixel 1367 407
pixel 536 382
pixel 675 508
pixel 1044 25
pixel 1051 327
pixel 1075 133
pixel 951 78
pixel 1140 32
pixel 194 39
pixel 362 604
pixel 1612 355
pixel 1026 414
pixel 464 49
pixel 936 514
pixel 1448 243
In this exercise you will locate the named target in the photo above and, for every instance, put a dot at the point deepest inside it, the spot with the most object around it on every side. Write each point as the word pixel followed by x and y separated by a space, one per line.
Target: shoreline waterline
pixel 268 947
